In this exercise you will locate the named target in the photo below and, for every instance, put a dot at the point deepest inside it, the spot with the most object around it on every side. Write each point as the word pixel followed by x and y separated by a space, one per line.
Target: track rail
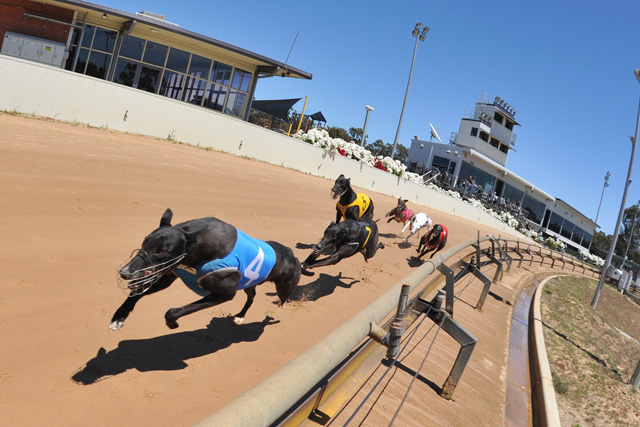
pixel 291 395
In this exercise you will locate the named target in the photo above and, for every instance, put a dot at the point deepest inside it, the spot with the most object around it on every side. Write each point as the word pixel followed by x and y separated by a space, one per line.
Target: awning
pixel 278 108
pixel 318 117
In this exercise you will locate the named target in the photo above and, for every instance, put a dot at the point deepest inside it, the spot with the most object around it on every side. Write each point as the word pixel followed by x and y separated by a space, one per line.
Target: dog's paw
pixel 238 320
pixel 116 324
pixel 170 320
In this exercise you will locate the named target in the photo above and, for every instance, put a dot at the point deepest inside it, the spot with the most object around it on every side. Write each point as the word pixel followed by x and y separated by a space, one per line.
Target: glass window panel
pixel 172 84
pixel 215 96
pixel 235 104
pixel 246 80
pixel 72 53
pixel 132 47
pixel 567 229
pixel 533 209
pixel 586 239
pixel 440 163
pixel 485 180
pixel 221 73
pixel 104 40
pixel 512 193
pixel 241 80
pixel 465 171
pixel 194 90
pixel 75 36
pixel 98 64
pixel 155 53
pixel 125 72
pixel 199 66
pixel 577 235
pixel 87 37
pixel 82 61
pixel 178 60
pixel 149 79
pixel 555 222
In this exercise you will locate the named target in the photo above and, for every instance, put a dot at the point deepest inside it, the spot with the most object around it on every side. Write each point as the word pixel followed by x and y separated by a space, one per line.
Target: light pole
pixel 607 262
pixel 364 129
pixel 606 184
pixel 633 223
pixel 419 36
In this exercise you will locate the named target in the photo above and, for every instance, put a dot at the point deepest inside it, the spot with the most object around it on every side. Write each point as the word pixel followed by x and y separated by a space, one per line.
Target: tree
pixel 336 132
pixel 356 134
pixel 402 153
pixel 629 235
pixel 379 148
pixel 601 241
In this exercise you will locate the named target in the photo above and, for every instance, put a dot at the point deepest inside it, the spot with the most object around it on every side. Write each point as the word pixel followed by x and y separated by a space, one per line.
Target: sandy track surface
pixel 75 201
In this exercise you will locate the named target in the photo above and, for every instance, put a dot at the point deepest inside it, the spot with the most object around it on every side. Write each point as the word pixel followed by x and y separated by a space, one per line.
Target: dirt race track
pixel 76 201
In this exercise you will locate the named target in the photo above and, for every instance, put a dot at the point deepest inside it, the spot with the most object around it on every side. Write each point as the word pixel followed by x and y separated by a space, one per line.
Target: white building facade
pixel 480 150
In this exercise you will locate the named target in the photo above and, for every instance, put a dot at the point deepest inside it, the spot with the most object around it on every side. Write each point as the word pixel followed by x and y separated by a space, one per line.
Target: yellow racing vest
pixel 362 201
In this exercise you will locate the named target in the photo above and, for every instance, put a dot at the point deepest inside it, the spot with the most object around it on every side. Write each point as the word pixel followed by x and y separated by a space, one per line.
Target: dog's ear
pixel 406 200
pixel 192 239
pixel 166 218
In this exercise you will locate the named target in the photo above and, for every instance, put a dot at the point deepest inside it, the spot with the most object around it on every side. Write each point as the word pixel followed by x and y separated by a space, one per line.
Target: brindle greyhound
pixel 351 205
pixel 401 213
pixel 224 258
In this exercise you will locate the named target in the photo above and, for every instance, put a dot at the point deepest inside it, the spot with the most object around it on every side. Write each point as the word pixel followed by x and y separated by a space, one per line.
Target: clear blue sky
pixel 565 66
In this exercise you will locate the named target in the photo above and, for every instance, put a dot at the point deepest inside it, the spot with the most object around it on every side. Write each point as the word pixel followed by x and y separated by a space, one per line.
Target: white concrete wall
pixel 41 90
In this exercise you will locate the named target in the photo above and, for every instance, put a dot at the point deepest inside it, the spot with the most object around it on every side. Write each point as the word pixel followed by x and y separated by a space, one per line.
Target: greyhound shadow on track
pixel 415 262
pixel 169 352
pixel 323 286
pixel 403 245
pixel 388 235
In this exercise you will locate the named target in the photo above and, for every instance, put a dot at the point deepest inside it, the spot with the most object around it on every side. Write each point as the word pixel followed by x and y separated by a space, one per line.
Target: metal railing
pixel 293 393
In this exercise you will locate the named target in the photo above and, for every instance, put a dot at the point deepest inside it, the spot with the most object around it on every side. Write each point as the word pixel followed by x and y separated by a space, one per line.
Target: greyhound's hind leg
pixel 222 286
pixel 286 286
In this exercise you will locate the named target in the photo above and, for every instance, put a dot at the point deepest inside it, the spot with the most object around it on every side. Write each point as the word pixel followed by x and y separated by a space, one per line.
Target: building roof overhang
pixel 506 172
pixel 576 211
pixel 266 67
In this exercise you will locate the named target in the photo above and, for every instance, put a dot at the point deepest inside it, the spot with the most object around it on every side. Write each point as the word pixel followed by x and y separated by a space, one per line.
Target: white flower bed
pixel 320 138
pixel 591 258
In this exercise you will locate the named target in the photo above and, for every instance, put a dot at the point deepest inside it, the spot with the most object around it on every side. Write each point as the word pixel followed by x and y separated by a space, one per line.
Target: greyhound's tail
pixel 304 271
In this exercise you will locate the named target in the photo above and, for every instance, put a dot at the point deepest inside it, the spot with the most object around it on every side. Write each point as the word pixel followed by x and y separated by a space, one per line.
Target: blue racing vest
pixel 251 257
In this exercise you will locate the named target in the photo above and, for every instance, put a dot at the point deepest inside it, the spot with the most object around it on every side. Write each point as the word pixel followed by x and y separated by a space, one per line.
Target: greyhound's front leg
pixel 424 252
pixel 121 314
pixel 222 286
pixel 345 251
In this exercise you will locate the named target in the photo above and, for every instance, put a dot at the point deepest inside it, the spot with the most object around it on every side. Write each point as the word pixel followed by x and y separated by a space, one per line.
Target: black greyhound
pixel 224 258
pixel 348 238
pixel 434 239
pixel 351 205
